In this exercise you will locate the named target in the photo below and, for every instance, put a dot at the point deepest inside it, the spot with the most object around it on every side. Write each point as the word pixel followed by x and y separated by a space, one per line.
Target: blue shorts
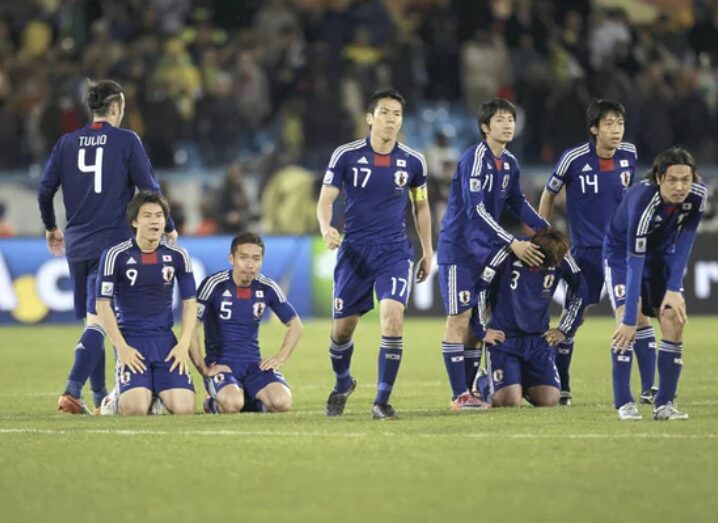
pixel 590 261
pixel 157 376
pixel 83 275
pixel 247 377
pixel 458 285
pixel 527 361
pixel 361 269
pixel 654 283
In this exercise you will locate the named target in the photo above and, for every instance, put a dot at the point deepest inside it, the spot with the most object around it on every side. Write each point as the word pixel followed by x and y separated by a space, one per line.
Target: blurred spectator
pixel 6 228
pixel 484 69
pixel 289 203
pixel 232 205
pixel 440 154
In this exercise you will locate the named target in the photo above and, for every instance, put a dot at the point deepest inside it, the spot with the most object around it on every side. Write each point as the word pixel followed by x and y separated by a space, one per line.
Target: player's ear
pixel 484 128
pixel 594 130
pixel 369 118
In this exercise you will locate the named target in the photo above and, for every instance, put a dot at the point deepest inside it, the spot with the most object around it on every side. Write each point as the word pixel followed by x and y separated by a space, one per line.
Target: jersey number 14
pixel 589 180
pixel 95 168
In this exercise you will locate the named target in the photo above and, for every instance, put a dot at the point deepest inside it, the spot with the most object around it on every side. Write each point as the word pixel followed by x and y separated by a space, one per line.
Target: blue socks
pixel 622 377
pixel 341 357
pixel 390 352
pixel 453 354
pixel 670 363
pixel 89 353
pixel 472 361
pixel 645 349
pixel 564 352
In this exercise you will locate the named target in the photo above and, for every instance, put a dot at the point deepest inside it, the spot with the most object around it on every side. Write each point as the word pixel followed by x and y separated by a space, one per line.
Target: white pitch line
pixel 299 434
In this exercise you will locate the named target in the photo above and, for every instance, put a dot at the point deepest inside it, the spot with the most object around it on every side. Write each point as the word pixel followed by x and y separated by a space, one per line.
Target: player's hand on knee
pixel 272 362
pixel 131 358
pixel 674 300
pixel 215 369
pixel 554 336
pixel 180 354
pixel 622 337
pixel 527 252
pixel 493 336
pixel 331 238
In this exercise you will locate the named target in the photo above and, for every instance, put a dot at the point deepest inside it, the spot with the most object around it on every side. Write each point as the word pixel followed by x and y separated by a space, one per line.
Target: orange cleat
pixel 71 405
pixel 468 401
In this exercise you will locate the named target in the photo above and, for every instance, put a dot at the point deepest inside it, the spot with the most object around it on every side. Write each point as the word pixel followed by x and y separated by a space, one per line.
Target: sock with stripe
pixel 390 353
pixel 88 352
pixel 622 377
pixel 670 363
pixel 645 348
pixel 564 353
pixel 472 361
pixel 340 355
pixel 453 354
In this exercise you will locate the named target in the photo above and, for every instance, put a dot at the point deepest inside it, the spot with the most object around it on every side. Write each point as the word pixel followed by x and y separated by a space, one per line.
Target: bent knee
pixel 231 405
pixel 506 400
pixel 281 404
pixel 135 408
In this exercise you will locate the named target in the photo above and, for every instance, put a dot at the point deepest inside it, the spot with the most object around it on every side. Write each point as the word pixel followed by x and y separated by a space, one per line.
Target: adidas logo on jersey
pixel 586 168
pixel 363 160
pixel 131 261
pixel 517 263
pixel 226 294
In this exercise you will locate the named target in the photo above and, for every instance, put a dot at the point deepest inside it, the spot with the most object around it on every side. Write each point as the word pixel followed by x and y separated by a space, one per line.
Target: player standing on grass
pixel 645 253
pixel 138 277
pixel 486 181
pixel 596 175
pixel 98 167
pixel 520 350
pixel 378 175
pixel 231 306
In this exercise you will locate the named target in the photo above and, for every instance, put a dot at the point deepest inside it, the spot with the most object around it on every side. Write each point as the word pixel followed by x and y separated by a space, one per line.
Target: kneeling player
pixel 139 275
pixel 645 252
pixel 231 305
pixel 520 345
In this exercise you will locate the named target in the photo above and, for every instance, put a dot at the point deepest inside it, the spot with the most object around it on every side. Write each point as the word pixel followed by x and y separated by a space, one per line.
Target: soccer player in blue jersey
pixel 520 345
pixel 231 306
pixel 98 167
pixel 487 180
pixel 139 276
pixel 596 175
pixel 378 176
pixel 645 253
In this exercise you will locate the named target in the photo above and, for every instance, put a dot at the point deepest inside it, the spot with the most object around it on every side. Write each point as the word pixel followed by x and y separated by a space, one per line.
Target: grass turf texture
pixel 562 464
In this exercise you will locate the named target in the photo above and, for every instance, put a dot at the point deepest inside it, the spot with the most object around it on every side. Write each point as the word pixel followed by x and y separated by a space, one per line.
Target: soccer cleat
pixel 157 407
pixel 629 412
pixel 565 399
pixel 71 405
pixel 467 401
pixel 383 411
pixel 338 400
pixel 668 412
pixel 109 405
pixel 649 396
pixel 481 388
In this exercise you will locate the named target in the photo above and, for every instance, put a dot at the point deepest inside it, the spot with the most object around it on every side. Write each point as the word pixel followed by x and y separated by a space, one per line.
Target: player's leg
pixel 174 389
pixel 540 376
pixel 504 373
pixel 645 349
pixel 90 348
pixel 269 387
pixel 225 394
pixel 134 401
pixel 276 397
pixel 178 401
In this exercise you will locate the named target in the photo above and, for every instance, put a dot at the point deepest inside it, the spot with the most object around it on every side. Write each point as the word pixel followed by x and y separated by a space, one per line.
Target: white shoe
pixel 668 412
pixel 109 405
pixel 157 408
pixel 629 412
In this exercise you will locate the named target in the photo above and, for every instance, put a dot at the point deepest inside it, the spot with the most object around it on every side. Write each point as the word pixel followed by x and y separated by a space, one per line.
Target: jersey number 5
pixel 95 168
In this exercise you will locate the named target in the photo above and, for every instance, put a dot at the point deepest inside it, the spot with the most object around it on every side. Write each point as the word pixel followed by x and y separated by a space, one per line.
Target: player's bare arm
pixel 327 196
pixel 546 204
pixel 422 222
pixel 195 354
pixel 180 352
pixel 289 343
pixel 127 356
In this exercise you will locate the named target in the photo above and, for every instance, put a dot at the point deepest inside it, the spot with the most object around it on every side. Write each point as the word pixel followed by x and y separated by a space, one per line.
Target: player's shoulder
pixel 211 283
pixel 473 157
pixel 570 155
pixel 627 149
pixel 511 158
pixel 176 252
pixel 698 192
pixel 268 284
pixel 346 150
pixel 113 252
pixel 411 155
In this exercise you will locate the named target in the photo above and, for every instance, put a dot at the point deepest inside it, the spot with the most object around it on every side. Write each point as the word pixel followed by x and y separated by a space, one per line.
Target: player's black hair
pixel 385 92
pixel 669 157
pixel 599 109
pixel 244 238
pixel 553 244
pixel 490 108
pixel 100 95
pixel 141 198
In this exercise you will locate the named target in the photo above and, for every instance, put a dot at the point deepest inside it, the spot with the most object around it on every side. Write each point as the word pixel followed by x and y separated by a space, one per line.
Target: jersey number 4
pixel 95 168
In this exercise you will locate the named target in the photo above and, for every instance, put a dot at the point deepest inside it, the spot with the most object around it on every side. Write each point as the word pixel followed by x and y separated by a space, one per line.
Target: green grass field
pixel 563 464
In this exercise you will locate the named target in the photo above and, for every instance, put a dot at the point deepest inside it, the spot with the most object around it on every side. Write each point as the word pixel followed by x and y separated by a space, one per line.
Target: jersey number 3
pixel 95 168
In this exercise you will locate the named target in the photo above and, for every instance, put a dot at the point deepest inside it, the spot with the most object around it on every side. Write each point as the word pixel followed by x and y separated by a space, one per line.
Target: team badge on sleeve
pixel 554 184
pixel 328 177
pixel 640 245
pixel 488 274
pixel 107 288
pixel 475 185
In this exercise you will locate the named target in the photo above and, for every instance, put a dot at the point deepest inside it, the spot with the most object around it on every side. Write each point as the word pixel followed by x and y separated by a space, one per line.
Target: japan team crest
pixel 548 281
pixel 338 304
pixel 400 178
pixel 168 273
pixel 620 291
pixel 258 309
pixel 505 182
pixel 464 297
pixel 625 178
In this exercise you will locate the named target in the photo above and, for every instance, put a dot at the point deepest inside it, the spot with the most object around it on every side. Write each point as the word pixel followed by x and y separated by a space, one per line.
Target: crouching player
pixel 231 305
pixel 521 350
pixel 645 252
pixel 139 274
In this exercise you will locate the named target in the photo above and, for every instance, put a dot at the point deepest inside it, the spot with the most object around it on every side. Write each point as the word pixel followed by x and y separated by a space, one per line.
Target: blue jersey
pixel 98 166
pixel 376 189
pixel 232 314
pixel 142 285
pixel 594 188
pixel 519 296
pixel 480 189
pixel 646 226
